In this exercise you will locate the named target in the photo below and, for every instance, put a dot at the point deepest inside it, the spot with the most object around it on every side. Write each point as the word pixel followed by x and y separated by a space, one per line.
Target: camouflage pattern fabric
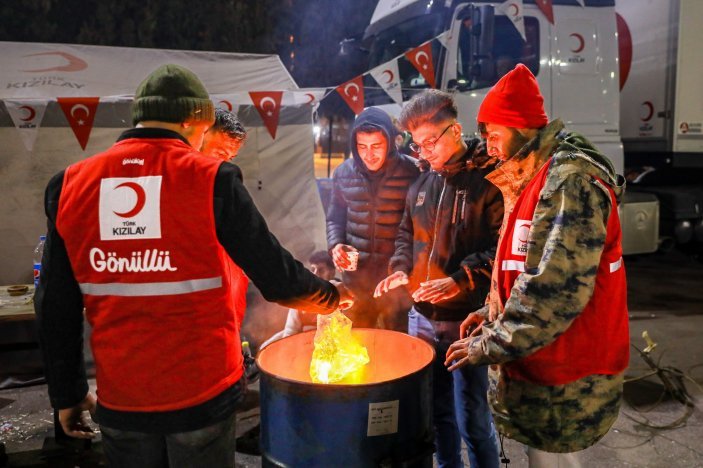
pixel 565 244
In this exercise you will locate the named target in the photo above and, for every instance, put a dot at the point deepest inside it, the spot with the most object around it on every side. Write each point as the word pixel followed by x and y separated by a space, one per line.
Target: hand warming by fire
pixel 337 353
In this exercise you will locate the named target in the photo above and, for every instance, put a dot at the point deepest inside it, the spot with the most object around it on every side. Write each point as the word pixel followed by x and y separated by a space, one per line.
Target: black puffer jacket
pixel 450 228
pixel 366 207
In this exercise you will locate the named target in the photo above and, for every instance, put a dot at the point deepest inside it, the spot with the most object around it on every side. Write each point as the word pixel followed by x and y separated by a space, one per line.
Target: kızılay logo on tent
pixel 70 62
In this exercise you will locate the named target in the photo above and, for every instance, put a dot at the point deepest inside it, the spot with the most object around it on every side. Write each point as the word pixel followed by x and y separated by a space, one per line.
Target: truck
pixel 661 111
pixel 595 73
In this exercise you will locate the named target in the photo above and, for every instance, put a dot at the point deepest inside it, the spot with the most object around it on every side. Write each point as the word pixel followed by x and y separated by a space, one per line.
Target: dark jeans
pixel 210 447
pixel 460 402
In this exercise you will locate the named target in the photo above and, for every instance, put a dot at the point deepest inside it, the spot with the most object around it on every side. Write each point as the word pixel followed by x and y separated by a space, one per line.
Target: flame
pixel 337 355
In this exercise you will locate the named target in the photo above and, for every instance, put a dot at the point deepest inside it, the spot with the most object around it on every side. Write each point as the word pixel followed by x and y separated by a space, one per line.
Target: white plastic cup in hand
pixel 353 256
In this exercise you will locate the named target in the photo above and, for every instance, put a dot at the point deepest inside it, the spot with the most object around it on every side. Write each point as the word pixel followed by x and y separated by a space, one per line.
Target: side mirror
pixel 351 46
pixel 459 85
pixel 481 24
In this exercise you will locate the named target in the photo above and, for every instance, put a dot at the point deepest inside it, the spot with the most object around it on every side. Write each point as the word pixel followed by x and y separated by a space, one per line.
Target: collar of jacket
pixel 475 156
pixel 513 175
pixel 151 132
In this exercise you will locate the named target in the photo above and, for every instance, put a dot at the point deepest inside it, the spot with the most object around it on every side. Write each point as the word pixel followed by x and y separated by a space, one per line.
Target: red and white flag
pixel 513 9
pixel 27 116
pixel 353 94
pixel 80 113
pixel 268 104
pixel 421 58
pixel 311 96
pixel 444 39
pixel 388 78
pixel 546 7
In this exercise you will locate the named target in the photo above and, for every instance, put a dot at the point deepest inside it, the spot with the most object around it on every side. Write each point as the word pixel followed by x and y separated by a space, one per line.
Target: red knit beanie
pixel 515 101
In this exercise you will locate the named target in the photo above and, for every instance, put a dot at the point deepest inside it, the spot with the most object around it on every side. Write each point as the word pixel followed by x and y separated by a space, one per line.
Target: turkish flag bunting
pixel 353 94
pixel 268 103
pixel 27 116
pixel 421 58
pixel 80 113
pixel 513 10
pixel 546 7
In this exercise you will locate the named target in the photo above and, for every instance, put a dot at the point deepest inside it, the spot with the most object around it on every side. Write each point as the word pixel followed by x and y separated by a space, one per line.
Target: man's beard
pixel 516 143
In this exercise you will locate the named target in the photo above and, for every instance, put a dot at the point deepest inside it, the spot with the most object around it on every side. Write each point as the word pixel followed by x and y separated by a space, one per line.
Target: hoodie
pixel 366 207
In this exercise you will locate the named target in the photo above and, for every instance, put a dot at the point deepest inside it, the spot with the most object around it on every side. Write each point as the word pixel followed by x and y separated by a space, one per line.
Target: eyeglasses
pixel 430 144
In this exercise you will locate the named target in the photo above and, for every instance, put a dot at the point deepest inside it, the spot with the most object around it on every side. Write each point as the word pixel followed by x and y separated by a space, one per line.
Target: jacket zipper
pixel 374 194
pixel 436 224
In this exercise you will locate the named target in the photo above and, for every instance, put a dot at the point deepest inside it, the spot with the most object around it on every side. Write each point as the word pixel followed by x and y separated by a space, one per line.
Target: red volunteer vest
pixel 157 286
pixel 597 342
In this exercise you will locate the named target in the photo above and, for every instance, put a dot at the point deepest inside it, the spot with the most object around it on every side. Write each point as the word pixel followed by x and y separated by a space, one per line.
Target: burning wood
pixel 337 354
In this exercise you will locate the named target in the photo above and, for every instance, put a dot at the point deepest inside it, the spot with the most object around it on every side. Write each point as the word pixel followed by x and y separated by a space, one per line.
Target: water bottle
pixel 38 252
pixel 251 370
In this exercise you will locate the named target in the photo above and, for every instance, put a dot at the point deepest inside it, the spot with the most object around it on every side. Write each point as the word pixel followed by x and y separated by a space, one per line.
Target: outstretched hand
pixel 392 281
pixel 458 354
pixel 472 325
pixel 346 298
pixel 436 290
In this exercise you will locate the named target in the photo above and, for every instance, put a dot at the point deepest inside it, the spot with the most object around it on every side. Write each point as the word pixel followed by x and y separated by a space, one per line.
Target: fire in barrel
pixel 379 415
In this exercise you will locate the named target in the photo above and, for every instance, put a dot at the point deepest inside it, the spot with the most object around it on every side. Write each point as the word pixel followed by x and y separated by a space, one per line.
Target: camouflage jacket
pixel 563 418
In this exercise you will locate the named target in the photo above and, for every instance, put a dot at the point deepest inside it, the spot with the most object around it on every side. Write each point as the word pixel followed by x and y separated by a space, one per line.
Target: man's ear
pixel 457 129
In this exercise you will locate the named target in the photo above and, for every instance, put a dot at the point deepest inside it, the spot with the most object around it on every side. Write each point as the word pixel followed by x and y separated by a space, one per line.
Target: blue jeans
pixel 460 402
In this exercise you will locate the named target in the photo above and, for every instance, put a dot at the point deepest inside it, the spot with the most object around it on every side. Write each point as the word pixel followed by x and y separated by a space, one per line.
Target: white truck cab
pixel 474 43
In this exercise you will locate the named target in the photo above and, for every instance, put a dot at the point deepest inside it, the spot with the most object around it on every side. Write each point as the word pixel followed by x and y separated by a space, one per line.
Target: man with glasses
pixel 444 251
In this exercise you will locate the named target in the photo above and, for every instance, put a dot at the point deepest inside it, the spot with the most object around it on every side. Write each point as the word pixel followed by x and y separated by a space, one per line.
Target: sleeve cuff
pixel 463 279
pixel 69 401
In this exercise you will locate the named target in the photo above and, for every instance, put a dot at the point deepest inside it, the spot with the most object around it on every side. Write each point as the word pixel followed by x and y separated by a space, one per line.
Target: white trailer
pixel 662 109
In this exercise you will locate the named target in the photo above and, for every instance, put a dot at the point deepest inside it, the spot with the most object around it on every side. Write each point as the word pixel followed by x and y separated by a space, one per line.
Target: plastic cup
pixel 353 260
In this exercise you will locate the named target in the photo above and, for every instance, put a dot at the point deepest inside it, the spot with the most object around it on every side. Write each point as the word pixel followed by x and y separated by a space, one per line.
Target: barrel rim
pixel 347 386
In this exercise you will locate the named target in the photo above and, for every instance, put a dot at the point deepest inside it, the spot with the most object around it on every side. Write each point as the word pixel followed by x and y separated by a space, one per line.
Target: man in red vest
pixel 556 318
pixel 152 238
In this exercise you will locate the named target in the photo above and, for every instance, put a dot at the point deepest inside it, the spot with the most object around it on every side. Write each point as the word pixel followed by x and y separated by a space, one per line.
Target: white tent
pixel 278 171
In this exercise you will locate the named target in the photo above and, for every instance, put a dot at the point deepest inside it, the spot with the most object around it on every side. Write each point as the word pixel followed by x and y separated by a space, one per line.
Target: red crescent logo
pixel 312 98
pixel 32 113
pixel 74 63
pixel 581 45
pixel 227 104
pixel 523 233
pixel 390 75
pixel 141 199
pixel 650 111
pixel 516 9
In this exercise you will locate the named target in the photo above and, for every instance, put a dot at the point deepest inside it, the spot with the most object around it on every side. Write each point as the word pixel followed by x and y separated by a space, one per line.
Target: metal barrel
pixel 384 419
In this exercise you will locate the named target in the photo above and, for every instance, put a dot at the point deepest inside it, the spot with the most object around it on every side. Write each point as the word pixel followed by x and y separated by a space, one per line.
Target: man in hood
pixel 556 319
pixel 366 206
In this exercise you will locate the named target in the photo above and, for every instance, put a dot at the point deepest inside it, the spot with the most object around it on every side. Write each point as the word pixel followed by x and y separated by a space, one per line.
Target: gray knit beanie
pixel 172 93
